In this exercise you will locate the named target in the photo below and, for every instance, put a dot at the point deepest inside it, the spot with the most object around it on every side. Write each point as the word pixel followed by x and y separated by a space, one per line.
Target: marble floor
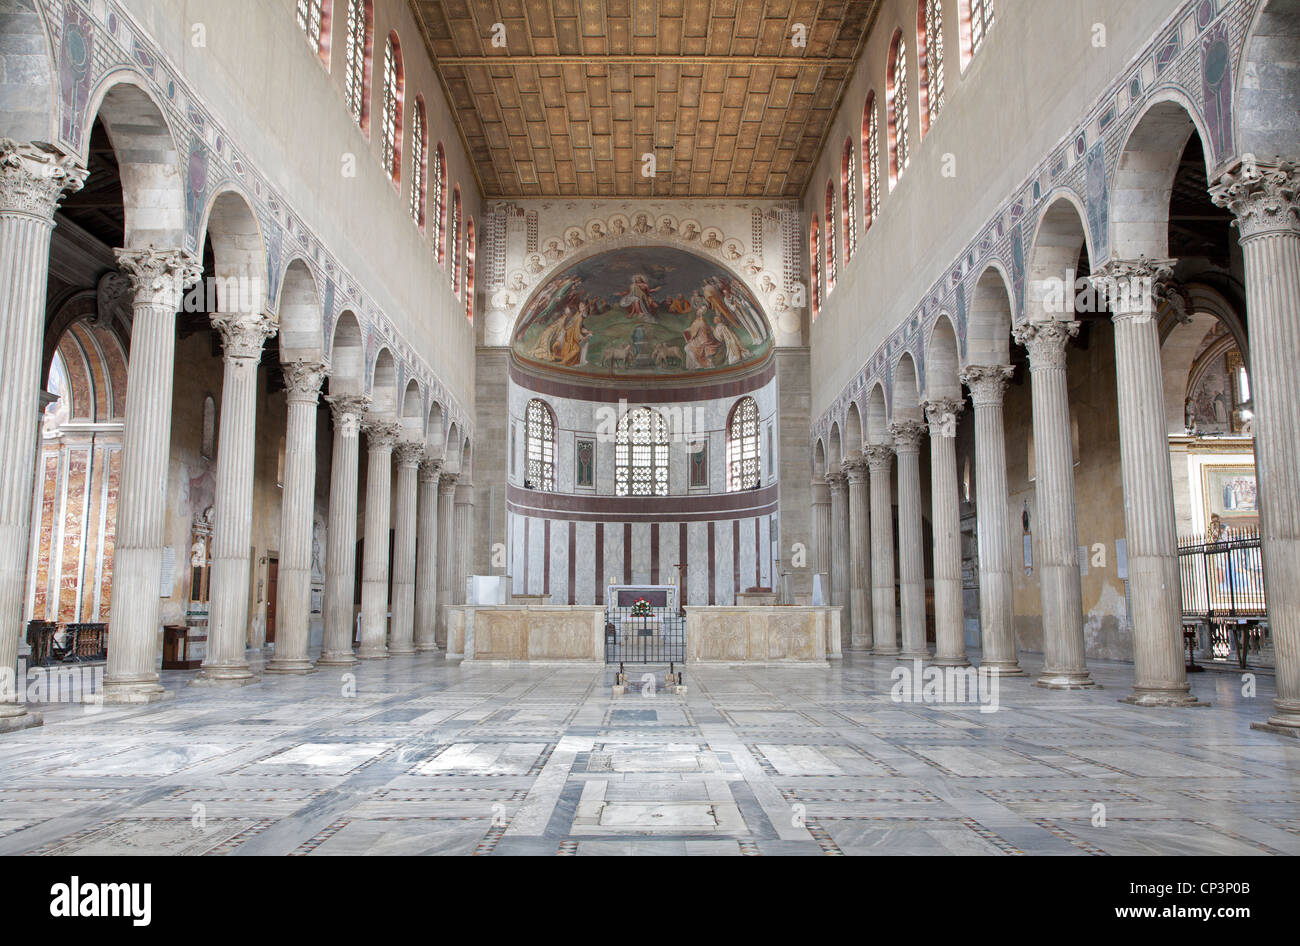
pixel 413 755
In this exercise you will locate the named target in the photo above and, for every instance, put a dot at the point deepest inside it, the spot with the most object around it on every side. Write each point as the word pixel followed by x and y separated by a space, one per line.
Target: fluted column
pixel 1265 198
pixel 408 456
pixel 381 435
pixel 426 559
pixel 463 548
pixel 293 602
pixel 880 458
pixel 158 279
pixel 446 541
pixel 911 563
pixel 1056 536
pixel 855 469
pixel 341 551
pixel 1159 668
pixel 987 384
pixel 840 592
pixel 945 518
pixel 242 337
pixel 821 533
pixel 33 179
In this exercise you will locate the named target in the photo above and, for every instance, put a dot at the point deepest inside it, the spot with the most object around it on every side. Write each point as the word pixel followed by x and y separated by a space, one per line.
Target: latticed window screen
pixel 641 454
pixel 392 106
pixel 934 57
pixel 438 179
pixel 354 94
pixel 743 460
pixel 981 18
pixel 539 443
pixel 309 20
pixel 830 238
pixel 872 146
pixel 901 116
pixel 453 237
pixel 849 201
pixel 418 147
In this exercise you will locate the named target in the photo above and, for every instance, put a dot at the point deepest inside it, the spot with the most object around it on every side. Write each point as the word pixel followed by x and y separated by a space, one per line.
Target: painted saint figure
pixel 730 340
pixel 700 346
pixel 639 300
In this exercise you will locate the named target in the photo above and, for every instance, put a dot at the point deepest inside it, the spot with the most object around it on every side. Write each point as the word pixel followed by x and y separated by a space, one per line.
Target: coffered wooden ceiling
pixel 717 90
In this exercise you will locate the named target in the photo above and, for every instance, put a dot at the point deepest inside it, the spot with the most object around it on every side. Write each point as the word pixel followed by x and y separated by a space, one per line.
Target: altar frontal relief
pixel 642 311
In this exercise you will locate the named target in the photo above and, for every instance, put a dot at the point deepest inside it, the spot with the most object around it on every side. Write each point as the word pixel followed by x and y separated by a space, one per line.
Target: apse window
pixel 743 461
pixel 641 454
pixel 356 91
pixel 539 444
pixel 976 20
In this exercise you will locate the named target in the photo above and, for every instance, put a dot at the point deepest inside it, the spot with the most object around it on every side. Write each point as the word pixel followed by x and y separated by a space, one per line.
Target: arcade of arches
pixel 943 338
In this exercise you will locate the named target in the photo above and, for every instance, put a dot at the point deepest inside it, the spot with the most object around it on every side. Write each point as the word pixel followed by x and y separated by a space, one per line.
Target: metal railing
pixel 658 638
pixel 1222 585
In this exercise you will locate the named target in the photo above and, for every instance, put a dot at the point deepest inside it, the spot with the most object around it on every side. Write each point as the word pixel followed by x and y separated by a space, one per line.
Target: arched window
pixel 419 156
pixel 975 19
pixel 870 162
pixel 929 54
pixel 849 201
pixel 314 21
pixel 439 181
pixel 830 237
pixel 356 82
pixel 641 454
pixel 469 269
pixel 814 268
pixel 454 238
pixel 390 134
pixel 539 446
pixel 899 155
pixel 743 464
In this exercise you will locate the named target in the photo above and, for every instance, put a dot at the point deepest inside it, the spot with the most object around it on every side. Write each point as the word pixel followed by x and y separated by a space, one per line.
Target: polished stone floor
pixel 416 756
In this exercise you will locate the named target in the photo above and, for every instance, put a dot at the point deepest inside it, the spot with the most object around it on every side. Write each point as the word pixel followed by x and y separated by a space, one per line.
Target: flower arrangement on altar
pixel 641 608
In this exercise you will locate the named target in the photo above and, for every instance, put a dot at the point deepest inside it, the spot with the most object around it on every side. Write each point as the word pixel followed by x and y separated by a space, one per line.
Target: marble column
pixel 840 592
pixel 911 563
pixel 861 637
pixel 408 456
pixel 242 337
pixel 1265 198
pixel 1056 533
pixel 302 382
pixel 880 459
pixel 446 541
pixel 158 279
pixel 945 519
pixel 1159 664
pixel 821 533
pixel 33 179
pixel 426 559
pixel 987 384
pixel 381 435
pixel 463 547
pixel 341 531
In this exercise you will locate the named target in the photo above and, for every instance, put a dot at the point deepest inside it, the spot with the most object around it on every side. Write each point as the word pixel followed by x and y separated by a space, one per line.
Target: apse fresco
pixel 643 311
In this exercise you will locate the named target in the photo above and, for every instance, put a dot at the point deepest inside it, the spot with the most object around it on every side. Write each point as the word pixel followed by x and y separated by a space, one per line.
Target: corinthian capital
pixel 855 468
pixel 35 177
pixel 1265 198
pixel 408 452
pixel 880 456
pixel 159 277
pixel 447 481
pixel 907 435
pixel 429 468
pixel 348 410
pixel 942 413
pixel 302 380
pixel 1046 341
pixel 381 433
pixel 987 383
pixel 836 479
pixel 242 334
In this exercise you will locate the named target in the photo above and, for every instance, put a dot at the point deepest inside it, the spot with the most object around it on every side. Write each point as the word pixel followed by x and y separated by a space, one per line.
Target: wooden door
pixel 272 581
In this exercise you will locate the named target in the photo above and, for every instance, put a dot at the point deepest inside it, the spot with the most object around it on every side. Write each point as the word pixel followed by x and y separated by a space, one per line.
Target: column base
pixel 429 648
pixel 400 651
pixel 14 718
pixel 915 655
pixel 237 675
pixel 885 651
pixel 364 654
pixel 343 659
pixel 1285 722
pixel 1172 696
pixel 950 661
pixel 289 665
pixel 131 693
pixel 1067 680
pixel 1002 668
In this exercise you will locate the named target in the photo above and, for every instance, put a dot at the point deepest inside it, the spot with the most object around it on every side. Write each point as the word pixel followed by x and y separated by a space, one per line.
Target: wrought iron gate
pixel 659 638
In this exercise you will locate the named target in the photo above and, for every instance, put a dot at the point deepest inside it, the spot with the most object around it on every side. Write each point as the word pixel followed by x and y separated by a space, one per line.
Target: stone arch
pixel 1144 175
pixel 877 416
pixel 153 183
pixel 412 414
pixel 451 449
pixel 819 459
pixel 852 431
pixel 1182 340
pixel 1058 239
pixel 383 384
pixel 347 356
pixel 466 459
pixel 301 316
pixel 942 361
pixel 835 456
pixel 434 434
pixel 906 399
pixel 988 330
pixel 28 88
pixel 239 254
pixel 1267 94
pixel 95 364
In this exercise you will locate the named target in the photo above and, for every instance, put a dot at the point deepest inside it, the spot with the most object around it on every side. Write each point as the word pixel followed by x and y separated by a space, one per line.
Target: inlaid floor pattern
pixel 427 757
